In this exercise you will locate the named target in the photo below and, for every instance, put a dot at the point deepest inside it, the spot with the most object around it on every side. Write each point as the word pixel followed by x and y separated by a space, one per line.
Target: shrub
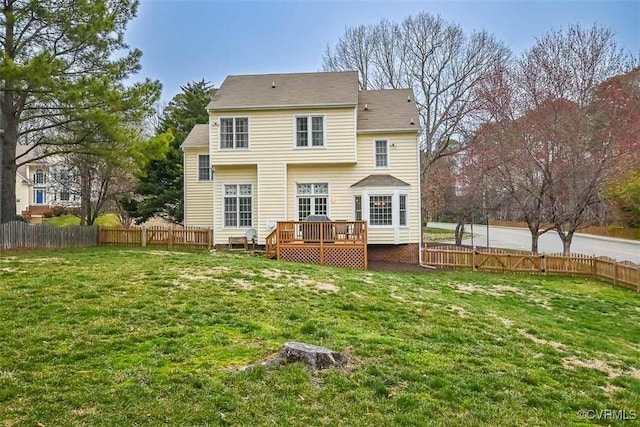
pixel 47 213
pixel 59 210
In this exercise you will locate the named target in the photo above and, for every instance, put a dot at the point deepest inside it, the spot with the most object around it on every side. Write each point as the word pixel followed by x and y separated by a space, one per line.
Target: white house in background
pixel 37 190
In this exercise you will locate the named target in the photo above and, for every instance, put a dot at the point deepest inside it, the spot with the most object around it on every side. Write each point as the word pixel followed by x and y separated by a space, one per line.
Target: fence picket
pixel 620 273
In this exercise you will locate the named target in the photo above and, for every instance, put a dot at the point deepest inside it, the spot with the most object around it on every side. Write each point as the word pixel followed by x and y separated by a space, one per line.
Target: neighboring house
pixel 37 186
pixel 284 146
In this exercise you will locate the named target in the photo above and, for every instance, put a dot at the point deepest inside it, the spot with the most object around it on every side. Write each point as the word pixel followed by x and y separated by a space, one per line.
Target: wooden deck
pixel 337 243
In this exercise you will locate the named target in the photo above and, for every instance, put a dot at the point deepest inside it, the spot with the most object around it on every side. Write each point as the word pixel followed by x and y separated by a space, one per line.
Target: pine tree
pixel 160 190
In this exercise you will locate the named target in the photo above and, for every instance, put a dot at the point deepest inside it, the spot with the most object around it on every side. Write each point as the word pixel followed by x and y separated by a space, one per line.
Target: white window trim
pixel 311 181
pixel 395 193
pixel 375 165
pixel 355 217
pixel 406 208
pixel 219 120
pixel 198 168
pixel 309 145
pixel 238 227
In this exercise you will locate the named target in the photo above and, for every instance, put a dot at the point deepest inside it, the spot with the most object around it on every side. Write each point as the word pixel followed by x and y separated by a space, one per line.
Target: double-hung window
pixel 309 131
pixel 382 153
pixel 238 205
pixel 234 133
pixel 204 168
pixel 312 199
pixel 357 201
pixel 403 209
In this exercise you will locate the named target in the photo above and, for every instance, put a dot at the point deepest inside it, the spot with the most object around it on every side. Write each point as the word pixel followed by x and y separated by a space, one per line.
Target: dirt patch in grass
pixel 83 411
pixel 602 366
pixel 458 310
pixel 611 389
pixel 554 344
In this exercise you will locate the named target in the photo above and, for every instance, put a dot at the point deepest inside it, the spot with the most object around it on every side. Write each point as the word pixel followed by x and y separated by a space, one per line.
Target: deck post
pixel 322 224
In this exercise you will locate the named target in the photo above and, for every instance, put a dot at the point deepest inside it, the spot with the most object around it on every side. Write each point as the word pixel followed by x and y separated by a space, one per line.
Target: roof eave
pixel 412 130
pixel 211 108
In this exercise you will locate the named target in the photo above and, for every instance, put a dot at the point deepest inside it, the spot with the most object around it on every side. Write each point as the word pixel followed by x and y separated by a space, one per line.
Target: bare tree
pixel 435 58
pixel 546 146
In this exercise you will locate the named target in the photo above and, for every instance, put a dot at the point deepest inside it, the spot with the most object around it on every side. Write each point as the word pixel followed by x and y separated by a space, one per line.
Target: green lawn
pixel 114 336
pixel 435 234
pixel 106 220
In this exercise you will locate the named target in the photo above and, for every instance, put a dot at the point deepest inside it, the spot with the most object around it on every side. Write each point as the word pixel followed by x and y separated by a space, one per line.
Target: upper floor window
pixel 39 177
pixel 382 153
pixel 310 131
pixel 204 168
pixel 234 132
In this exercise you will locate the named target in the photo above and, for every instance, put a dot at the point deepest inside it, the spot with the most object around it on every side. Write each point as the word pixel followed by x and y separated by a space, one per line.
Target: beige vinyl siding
pixel 271 196
pixel 198 194
pixel 403 165
pixel 244 174
pixel 22 194
pixel 272 137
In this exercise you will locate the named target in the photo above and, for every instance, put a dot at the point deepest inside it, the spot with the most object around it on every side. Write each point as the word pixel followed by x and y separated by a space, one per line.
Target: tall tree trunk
pixel 85 195
pixel 459 232
pixel 567 238
pixel 8 147
pixel 534 242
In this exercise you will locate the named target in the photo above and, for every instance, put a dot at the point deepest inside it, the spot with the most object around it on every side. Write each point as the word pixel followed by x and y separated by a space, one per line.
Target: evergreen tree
pixel 160 190
pixel 62 67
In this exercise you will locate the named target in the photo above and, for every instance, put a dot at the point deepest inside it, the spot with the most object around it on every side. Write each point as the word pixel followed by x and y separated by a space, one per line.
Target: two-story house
pixel 38 187
pixel 285 146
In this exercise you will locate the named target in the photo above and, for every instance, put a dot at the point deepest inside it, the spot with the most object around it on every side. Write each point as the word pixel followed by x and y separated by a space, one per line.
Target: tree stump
pixel 315 357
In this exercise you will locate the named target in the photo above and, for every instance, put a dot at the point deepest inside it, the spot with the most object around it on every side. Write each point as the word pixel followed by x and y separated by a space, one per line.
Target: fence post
pixel 143 237
pixel 99 236
pixel 594 267
pixel 210 237
pixel 473 259
pixel 171 237
pixel 615 273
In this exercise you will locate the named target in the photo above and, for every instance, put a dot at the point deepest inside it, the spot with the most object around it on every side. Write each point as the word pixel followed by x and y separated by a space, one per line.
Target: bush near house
pixel 112 336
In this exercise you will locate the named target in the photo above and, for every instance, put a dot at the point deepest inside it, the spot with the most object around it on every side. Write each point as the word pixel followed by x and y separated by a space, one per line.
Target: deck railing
pixel 338 243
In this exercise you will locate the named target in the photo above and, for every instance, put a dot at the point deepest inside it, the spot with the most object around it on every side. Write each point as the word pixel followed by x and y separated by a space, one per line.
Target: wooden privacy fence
pixel 620 273
pixel 152 236
pixel 20 235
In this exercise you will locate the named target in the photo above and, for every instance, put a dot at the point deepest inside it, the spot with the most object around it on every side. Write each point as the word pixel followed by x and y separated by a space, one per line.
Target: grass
pixel 105 220
pixel 113 336
pixel 436 234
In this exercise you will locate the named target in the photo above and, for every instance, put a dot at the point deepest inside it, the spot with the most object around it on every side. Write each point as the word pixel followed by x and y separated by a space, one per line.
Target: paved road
pixel 520 238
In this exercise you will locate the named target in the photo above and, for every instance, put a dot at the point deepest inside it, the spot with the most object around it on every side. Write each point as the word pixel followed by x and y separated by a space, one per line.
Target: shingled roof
pixel 198 137
pixel 287 90
pixel 380 180
pixel 390 109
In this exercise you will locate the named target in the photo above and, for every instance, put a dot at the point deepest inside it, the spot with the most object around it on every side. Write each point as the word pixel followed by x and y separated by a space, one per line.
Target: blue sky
pixel 186 40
